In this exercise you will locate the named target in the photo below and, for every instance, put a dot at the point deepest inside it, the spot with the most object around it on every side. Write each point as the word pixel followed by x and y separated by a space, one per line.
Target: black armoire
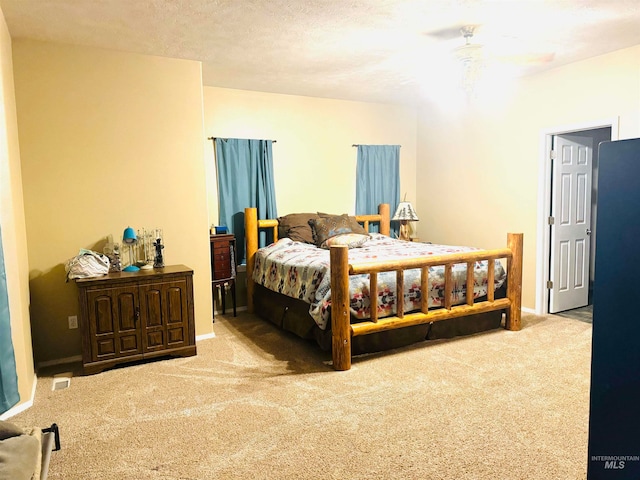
pixel 614 414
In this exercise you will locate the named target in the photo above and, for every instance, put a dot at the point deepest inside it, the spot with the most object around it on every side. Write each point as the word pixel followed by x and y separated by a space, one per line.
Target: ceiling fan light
pixel 471 70
pixel 468 52
pixel 470 57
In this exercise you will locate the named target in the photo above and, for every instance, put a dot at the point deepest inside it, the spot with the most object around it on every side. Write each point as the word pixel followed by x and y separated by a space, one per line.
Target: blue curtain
pixel 378 180
pixel 9 395
pixel 245 179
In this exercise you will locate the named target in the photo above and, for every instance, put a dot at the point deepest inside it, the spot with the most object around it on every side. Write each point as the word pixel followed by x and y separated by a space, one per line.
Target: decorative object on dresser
pixel 158 261
pixel 223 267
pixel 405 214
pixel 146 239
pixel 112 251
pixel 131 316
pixel 130 238
pixel 86 264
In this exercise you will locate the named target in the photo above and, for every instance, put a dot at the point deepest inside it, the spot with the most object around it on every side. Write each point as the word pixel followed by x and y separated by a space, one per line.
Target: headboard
pixel 252 226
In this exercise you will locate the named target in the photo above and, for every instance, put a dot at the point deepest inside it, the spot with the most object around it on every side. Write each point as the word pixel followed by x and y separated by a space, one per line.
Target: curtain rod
pixel 356 145
pixel 215 138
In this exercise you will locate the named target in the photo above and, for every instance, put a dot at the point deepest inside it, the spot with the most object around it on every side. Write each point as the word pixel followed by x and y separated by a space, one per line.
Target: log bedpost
pixel 340 324
pixel 251 238
pixel 514 281
pixel 385 221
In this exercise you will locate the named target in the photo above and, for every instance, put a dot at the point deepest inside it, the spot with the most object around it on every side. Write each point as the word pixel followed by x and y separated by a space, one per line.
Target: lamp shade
pixel 129 236
pixel 405 212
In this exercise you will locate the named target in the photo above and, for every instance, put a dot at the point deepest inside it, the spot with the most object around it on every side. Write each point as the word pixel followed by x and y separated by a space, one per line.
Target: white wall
pixel 479 165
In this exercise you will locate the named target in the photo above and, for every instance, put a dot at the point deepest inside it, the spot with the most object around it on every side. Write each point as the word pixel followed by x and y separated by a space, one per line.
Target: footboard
pixel 343 330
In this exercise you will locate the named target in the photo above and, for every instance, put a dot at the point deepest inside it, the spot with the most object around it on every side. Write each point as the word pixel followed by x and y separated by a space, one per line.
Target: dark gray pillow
pixel 329 226
pixel 296 227
pixel 353 223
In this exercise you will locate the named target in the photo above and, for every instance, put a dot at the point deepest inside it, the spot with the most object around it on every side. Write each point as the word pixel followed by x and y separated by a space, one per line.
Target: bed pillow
pixel 329 226
pixel 353 223
pixel 350 240
pixel 296 227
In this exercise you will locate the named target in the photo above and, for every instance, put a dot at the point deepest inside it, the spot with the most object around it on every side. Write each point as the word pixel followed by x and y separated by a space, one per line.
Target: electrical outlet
pixel 73 321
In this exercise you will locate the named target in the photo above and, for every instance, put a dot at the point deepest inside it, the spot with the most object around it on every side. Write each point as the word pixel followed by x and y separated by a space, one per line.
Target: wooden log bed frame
pixel 342 330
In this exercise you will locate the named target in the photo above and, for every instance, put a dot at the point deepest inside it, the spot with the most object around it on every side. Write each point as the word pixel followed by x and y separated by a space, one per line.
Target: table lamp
pixel 129 238
pixel 405 214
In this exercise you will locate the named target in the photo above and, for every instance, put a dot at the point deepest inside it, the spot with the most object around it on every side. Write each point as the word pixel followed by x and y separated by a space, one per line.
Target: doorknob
pixel 588 231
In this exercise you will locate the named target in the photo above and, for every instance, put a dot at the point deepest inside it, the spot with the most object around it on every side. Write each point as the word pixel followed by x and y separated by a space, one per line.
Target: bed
pixel 342 286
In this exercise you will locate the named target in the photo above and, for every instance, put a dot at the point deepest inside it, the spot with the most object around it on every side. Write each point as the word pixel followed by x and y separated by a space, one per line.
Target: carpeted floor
pixel 257 403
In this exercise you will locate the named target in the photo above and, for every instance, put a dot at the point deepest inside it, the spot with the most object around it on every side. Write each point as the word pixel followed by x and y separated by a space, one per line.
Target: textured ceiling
pixel 366 50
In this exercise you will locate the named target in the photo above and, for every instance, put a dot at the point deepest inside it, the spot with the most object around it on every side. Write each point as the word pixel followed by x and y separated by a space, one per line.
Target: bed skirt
pixel 292 315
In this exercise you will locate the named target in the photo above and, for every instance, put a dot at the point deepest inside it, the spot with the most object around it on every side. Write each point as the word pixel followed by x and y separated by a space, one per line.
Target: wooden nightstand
pixel 417 240
pixel 223 266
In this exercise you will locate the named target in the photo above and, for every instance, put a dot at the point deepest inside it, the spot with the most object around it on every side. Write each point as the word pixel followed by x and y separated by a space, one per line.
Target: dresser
pixel 132 316
pixel 223 267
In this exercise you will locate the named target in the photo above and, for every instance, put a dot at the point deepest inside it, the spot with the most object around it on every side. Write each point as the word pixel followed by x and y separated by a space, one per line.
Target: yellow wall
pixel 14 239
pixel 479 165
pixel 108 140
pixel 314 161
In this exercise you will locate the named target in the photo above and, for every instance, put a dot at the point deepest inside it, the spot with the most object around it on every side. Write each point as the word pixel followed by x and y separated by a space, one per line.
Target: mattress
pixel 302 271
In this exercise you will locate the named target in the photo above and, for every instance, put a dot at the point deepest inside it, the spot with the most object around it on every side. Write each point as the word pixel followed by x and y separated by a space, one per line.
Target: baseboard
pixel 528 310
pixel 21 407
pixel 206 336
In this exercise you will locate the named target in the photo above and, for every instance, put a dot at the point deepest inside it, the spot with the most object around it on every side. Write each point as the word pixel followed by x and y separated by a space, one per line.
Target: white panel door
pixel 571 227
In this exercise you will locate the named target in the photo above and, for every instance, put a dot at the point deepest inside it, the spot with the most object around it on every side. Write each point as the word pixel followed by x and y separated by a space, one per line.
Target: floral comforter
pixel 301 271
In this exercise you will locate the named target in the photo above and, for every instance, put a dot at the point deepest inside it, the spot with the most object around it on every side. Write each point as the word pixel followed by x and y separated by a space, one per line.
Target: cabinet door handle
pixel 136 315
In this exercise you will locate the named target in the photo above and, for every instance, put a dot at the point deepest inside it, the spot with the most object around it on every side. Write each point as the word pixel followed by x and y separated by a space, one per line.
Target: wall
pixel 13 226
pixel 314 160
pixel 14 239
pixel 108 140
pixel 479 165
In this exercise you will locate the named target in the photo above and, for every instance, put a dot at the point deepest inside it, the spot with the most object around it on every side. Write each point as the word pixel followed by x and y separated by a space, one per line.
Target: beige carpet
pixel 257 403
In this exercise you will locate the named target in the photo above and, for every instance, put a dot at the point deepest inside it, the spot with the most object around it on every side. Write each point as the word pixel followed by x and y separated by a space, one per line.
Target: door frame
pixel 543 249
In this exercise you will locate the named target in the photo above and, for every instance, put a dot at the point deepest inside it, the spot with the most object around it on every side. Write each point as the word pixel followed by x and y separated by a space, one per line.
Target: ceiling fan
pixel 469 52
pixel 473 57
pixel 503 48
